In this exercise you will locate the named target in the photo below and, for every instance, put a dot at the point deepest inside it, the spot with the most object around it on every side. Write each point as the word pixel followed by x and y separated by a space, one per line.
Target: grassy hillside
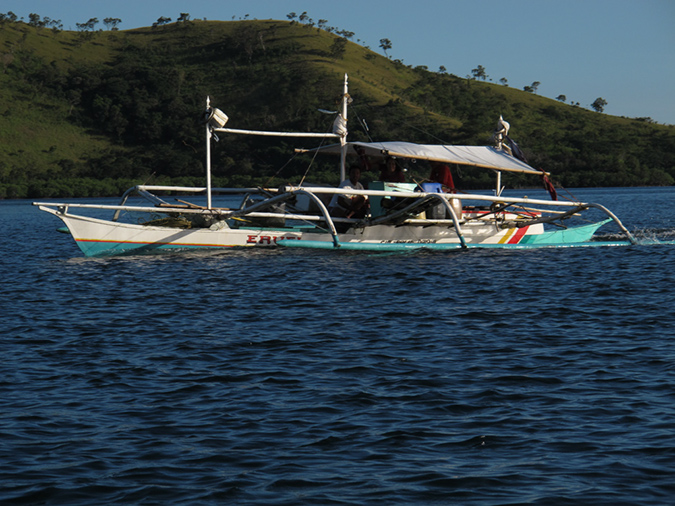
pixel 90 113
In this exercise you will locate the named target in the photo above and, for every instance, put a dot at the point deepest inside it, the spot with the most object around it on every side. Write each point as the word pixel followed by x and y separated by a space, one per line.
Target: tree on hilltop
pixel 88 26
pixel 10 17
pixel 111 23
pixel 34 20
pixel 86 29
pixel 161 21
pixel 479 73
pixel 346 34
pixel 385 44
pixel 599 104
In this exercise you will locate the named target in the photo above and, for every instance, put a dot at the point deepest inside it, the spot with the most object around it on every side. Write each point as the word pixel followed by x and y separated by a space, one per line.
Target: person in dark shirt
pixel 440 173
pixel 390 172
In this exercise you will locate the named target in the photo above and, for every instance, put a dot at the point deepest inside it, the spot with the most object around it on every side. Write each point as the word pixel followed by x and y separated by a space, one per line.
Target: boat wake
pixel 656 236
pixel 645 236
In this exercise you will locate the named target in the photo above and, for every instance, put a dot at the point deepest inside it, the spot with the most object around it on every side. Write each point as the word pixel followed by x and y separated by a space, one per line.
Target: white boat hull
pixel 96 237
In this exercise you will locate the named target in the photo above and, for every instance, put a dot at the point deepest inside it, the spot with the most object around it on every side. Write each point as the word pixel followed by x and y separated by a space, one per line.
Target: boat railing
pixel 313 193
pixel 501 200
pixel 63 208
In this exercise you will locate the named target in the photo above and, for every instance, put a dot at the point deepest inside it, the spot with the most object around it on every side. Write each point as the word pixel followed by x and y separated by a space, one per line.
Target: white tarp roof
pixel 477 156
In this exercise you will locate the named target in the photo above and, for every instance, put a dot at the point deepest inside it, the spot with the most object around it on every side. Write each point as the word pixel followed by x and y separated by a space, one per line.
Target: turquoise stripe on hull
pixel 566 236
pixel 97 249
pixel 356 246
pixel 366 246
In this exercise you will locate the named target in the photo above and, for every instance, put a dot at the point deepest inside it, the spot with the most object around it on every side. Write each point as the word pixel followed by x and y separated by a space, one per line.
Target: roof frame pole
pixel 208 158
pixel 343 133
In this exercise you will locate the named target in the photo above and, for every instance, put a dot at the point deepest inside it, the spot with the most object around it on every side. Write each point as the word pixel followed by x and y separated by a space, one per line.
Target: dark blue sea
pixel 275 377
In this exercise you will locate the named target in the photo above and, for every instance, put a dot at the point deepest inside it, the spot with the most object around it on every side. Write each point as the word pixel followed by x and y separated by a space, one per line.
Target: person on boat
pixel 440 173
pixel 349 206
pixel 390 172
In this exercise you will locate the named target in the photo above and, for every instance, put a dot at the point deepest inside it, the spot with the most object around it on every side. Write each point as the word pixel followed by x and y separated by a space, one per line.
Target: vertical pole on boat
pixel 343 137
pixel 208 157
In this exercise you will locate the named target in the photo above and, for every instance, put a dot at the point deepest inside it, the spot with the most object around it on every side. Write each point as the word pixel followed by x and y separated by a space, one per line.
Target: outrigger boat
pixel 401 216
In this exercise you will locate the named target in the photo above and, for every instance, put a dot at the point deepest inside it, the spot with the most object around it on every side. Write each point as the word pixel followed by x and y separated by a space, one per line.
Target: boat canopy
pixel 477 156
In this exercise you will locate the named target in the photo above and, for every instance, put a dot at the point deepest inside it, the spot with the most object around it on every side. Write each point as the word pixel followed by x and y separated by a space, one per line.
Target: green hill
pixel 91 113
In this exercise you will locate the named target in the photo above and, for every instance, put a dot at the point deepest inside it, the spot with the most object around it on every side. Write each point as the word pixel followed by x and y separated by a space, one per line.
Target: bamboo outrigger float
pixel 401 216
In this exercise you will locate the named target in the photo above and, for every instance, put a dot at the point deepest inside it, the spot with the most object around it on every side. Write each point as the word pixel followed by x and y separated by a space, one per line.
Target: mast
pixel 208 156
pixel 343 133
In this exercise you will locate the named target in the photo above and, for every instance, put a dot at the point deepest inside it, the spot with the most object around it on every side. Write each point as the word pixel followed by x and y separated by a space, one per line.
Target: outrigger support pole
pixel 326 214
pixel 260 205
pixel 455 219
pixel 616 220
pixel 285 196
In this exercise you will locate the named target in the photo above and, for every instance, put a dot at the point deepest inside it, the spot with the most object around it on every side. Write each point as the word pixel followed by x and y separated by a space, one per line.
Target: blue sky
pixel 620 50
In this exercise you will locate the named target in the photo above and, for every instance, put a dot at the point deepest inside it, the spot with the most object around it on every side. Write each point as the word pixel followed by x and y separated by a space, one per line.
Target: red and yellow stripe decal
pixel 513 235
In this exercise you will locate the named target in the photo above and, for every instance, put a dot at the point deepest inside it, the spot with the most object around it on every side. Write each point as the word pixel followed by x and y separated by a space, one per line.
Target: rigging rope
pixel 363 123
pixel 316 152
pixel 280 169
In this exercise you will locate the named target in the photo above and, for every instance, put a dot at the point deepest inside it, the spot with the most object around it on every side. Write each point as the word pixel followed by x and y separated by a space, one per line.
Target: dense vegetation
pixel 91 113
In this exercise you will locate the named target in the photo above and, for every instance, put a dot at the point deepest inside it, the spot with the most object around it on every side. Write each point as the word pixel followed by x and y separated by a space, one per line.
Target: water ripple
pixel 482 377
